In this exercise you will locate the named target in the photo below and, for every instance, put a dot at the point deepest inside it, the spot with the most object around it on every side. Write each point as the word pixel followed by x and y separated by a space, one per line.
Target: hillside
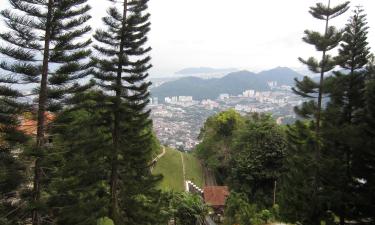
pixel 170 166
pixel 283 75
pixel 233 83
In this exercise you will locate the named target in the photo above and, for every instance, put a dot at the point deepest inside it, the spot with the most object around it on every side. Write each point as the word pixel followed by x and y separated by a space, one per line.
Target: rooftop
pixel 215 195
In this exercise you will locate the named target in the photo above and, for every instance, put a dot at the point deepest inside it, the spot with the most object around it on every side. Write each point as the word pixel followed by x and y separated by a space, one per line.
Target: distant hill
pixel 233 83
pixel 283 75
pixel 204 70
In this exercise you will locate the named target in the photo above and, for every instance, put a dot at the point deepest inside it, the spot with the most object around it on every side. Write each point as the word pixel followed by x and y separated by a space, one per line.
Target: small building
pixel 29 125
pixel 216 196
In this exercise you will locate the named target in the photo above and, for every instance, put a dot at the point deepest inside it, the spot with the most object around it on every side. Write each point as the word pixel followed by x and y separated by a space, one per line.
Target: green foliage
pixel 238 210
pixel 79 192
pixel 299 199
pixel 331 183
pixel 12 165
pixel 246 152
pixel 324 43
pixel 61 24
pixel 364 158
pixel 45 50
pixel 227 123
pixel 12 171
pixel 105 221
pixel 343 125
pixel 216 136
pixel 257 159
pixel 121 69
pixel 188 209
pixel 304 194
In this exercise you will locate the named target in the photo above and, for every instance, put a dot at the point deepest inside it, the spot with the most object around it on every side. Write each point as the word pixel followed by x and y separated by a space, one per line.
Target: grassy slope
pixel 171 168
pixel 194 170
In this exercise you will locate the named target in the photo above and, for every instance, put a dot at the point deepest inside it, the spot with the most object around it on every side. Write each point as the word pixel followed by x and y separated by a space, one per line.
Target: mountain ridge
pixel 204 70
pixel 233 83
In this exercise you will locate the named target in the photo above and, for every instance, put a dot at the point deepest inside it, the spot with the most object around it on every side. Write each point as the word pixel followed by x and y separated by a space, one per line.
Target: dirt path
pixel 156 159
pixel 161 154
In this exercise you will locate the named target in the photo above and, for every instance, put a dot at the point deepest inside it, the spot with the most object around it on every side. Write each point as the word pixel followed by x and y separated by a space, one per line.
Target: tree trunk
pixel 274 193
pixel 41 114
pixel 318 113
pixel 117 120
pixel 321 90
pixel 342 220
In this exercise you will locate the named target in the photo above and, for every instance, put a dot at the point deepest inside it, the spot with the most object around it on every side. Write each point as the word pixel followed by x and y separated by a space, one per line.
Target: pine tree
pixel 45 51
pixel 82 148
pixel 341 130
pixel 324 43
pixel 364 160
pixel 299 200
pixel 82 140
pixel 11 166
pixel 307 196
pixel 122 73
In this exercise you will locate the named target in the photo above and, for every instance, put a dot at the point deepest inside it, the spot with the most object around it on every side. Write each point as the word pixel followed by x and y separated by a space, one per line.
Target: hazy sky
pixel 245 34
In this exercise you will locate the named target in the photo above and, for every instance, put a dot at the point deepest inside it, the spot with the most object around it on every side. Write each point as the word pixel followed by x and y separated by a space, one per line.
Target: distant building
pixel 167 100
pixel 210 104
pixel 272 84
pixel 173 99
pixel 223 96
pixel 185 98
pixel 155 101
pixel 248 93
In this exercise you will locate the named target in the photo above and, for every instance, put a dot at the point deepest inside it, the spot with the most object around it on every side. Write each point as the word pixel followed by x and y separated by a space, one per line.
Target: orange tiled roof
pixel 215 195
pixel 29 126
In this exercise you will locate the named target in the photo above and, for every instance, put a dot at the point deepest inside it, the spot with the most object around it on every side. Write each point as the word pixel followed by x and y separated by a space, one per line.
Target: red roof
pixel 29 125
pixel 215 195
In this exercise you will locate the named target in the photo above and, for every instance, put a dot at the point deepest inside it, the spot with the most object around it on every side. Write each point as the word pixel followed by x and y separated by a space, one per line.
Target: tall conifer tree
pixel 365 160
pixel 122 72
pixel 298 199
pixel 323 43
pixel 303 142
pixel 343 118
pixel 82 140
pixel 42 43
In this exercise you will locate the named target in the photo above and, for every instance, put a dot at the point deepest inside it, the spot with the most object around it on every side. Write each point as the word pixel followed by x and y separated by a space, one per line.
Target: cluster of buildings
pixel 176 99
pixel 177 126
pixel 178 121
